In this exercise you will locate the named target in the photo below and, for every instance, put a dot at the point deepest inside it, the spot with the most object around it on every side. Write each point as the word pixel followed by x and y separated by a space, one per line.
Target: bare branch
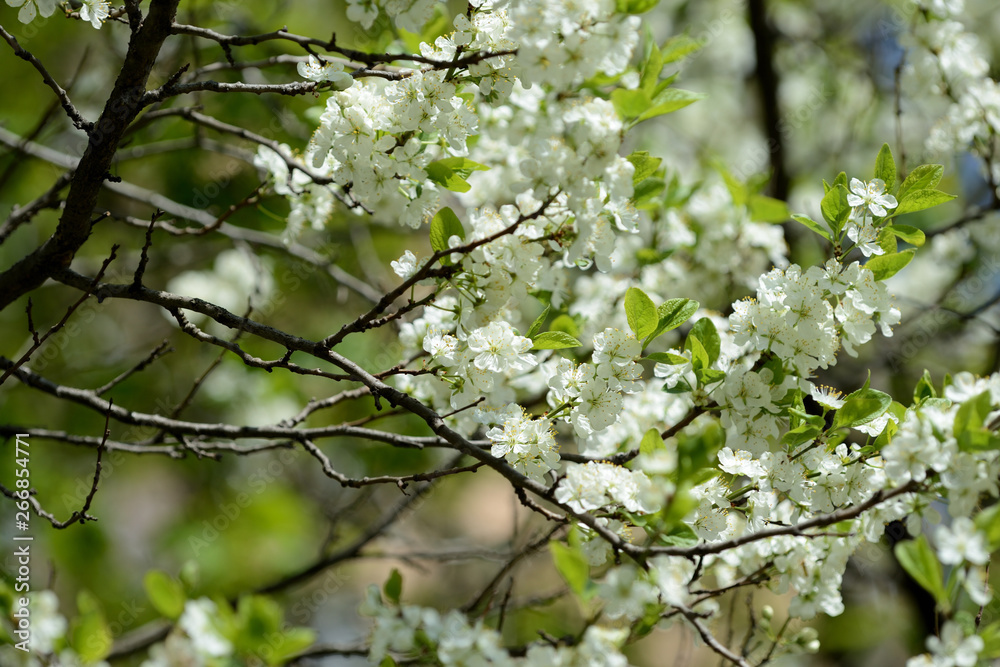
pixel 36 341
pixel 79 122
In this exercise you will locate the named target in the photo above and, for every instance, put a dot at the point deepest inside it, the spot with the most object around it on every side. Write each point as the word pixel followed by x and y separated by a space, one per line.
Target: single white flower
pixel 960 542
pixel 95 11
pixel 871 194
pixel 405 266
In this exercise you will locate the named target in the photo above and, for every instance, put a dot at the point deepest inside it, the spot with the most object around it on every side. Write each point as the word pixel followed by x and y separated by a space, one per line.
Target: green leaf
pixel 707 376
pixel 923 177
pixel 645 166
pixel 988 522
pixel 450 173
pixel 572 565
pixel 681 535
pixel 885 167
pixel 651 441
pixel 640 312
pixel 668 101
pixel 800 434
pixel 668 358
pixel 461 165
pixel 445 225
pixel 704 330
pixel 290 643
pixel 991 641
pixel 919 561
pixel 970 429
pixel 813 225
pixel 887 241
pixel 768 209
pixel 678 47
pixel 554 340
pixel 924 388
pixel 90 636
pixel 651 69
pixel 918 200
pixel 635 6
pixel 393 587
pixel 835 207
pixel 886 266
pixel 536 326
pixel 566 324
pixel 646 191
pixel 166 593
pixel 911 235
pixel 630 103
pixel 699 356
pixel 672 314
pixel 861 407
pixel 891 427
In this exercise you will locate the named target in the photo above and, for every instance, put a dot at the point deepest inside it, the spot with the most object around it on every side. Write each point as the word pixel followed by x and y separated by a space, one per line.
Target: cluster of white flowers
pixel 592 486
pixel 527 444
pixel 453 640
pixel 196 640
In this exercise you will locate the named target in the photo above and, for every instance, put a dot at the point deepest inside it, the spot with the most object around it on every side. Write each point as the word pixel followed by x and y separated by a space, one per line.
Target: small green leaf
pixel 668 101
pixel 924 388
pixel 911 235
pixel 800 434
pixel 446 177
pixel 812 224
pixel 923 177
pixel 970 430
pixel 699 356
pixel 668 358
pixel 393 587
pixel 290 643
pixel 635 6
pixel 885 167
pixel 919 561
pixel 988 522
pixel 461 165
pixel 645 166
pixel 678 47
pixel 166 594
pixel 707 376
pixel 572 565
pixel 536 326
pixel 566 324
pixel 918 200
pixel 991 641
pixel 768 209
pixel 886 266
pixel 90 636
pixel 554 340
pixel 835 207
pixel 445 225
pixel 704 330
pixel 651 441
pixel 861 407
pixel 651 69
pixel 640 312
pixel 630 103
pixel 681 535
pixel 672 314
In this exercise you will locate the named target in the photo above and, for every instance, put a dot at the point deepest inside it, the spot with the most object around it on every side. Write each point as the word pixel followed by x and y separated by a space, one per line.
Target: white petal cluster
pixel 594 485
pixel 527 444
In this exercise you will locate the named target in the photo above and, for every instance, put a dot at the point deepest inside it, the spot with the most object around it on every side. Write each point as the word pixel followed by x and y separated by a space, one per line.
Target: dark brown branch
pixel 767 80
pixel 120 110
